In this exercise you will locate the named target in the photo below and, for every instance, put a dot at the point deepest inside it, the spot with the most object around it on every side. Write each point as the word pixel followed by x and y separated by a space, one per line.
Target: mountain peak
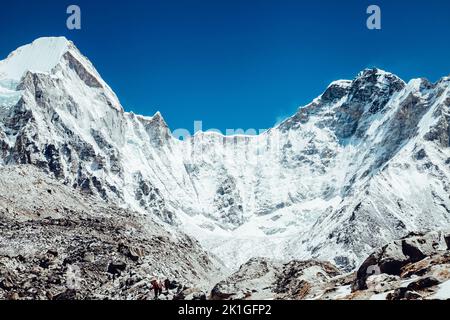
pixel 376 75
pixel 158 119
pixel 41 55
pixel 373 72
pixel 158 116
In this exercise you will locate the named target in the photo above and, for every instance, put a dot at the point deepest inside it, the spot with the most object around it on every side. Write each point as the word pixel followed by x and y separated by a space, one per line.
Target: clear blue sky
pixel 237 63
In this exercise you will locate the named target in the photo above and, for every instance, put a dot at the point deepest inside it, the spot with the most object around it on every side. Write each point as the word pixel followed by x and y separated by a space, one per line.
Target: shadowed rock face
pixel 89 79
pixel 368 95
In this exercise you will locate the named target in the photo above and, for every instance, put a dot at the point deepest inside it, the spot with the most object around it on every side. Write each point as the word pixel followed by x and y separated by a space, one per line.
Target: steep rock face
pixel 364 163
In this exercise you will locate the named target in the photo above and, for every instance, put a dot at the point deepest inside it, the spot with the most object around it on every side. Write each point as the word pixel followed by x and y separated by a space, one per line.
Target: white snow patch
pixel 443 292
pixel 40 56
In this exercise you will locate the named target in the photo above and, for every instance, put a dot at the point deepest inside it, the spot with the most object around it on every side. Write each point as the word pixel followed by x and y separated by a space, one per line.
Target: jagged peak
pixel 364 74
pixel 444 81
pixel 372 71
pixel 157 119
pixel 338 89
pixel 158 116
pixel 375 71
pixel 376 75
pixel 43 55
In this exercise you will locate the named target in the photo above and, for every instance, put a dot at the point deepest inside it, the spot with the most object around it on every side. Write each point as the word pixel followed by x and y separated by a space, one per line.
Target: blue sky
pixel 237 63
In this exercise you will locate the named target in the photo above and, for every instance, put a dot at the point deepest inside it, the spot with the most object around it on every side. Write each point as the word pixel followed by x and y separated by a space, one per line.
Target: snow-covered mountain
pixel 365 163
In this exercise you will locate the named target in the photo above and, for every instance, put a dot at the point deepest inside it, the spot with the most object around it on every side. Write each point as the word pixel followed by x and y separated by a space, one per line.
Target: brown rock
pixel 423 283
pixel 13 296
pixel 398 294
pixel 410 295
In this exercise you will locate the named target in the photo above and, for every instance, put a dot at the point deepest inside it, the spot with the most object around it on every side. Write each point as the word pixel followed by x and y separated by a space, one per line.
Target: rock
pixel 261 278
pixel 45 263
pixel 335 92
pixel 179 296
pixel 393 257
pixel 116 268
pixel 89 257
pixel 13 296
pixel 447 241
pixel 403 294
pixel 69 294
pixel 412 251
pixel 133 253
pixel 6 284
pixel 173 285
pixel 423 283
pixel 398 294
pixel 199 296
pixel 53 253
pixel 389 259
pixel 222 291
pixel 77 248
pixel 382 282
pixel 296 277
pixel 410 295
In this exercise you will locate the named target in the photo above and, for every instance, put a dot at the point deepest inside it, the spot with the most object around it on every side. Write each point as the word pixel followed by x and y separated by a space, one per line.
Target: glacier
pixel 364 163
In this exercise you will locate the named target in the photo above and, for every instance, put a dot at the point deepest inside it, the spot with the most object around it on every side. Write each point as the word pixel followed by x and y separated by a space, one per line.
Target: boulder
pixel 382 282
pixel 179 296
pixel 403 294
pixel 391 258
pixel 69 294
pixel 133 253
pixel 199 296
pixel 222 291
pixel 13 296
pixel 423 283
pixel 410 295
pixel 116 268
pixel 398 294
pixel 6 284
pixel 447 240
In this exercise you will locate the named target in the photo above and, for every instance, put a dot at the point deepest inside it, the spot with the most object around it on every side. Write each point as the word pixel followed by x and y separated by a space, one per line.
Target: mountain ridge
pixel 328 182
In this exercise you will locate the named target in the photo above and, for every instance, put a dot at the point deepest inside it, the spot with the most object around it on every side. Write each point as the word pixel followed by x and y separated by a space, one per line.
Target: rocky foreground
pixel 414 268
pixel 58 244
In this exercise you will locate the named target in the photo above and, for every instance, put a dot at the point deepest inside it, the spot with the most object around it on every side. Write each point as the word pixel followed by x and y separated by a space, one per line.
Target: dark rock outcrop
pixel 393 257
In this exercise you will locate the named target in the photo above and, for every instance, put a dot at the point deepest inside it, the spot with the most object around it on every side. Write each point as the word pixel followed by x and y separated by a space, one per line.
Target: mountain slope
pixel 363 164
pixel 58 244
